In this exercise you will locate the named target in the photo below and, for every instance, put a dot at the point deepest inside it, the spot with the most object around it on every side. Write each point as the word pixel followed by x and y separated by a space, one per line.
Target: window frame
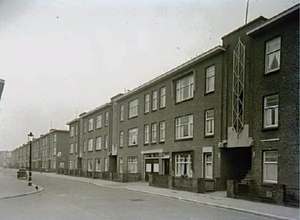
pixel 133 132
pixel 106 118
pixel 98 165
pixel 163 97
pixel 268 115
pixel 99 121
pixel 190 125
pixel 121 139
pixel 146 134
pixel 90 144
pixel 162 132
pixel 106 142
pixel 154 100
pixel 133 108
pixel 147 103
pixel 132 164
pixel 266 163
pixel 154 133
pixel 210 76
pixel 179 88
pixel 269 53
pixel 98 143
pixel 183 168
pixel 208 164
pixel 209 123
pixel 91 124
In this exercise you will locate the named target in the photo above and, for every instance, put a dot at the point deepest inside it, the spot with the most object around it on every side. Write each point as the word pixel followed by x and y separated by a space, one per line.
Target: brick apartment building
pixel 50 152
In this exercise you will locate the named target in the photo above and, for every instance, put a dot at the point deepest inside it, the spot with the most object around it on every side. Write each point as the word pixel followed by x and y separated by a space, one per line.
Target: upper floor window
pixel 54 138
pixel 121 139
pixel 162 131
pixel 98 143
pixel 91 124
pixel 209 122
pixel 271 105
pixel 84 126
pixel 185 88
pixel 154 100
pixel 210 79
pixel 71 131
pixel 76 130
pixel 122 113
pixel 105 142
pixel 184 127
pixel 273 55
pixel 147 103
pixel 71 148
pixel 106 118
pixel 133 136
pixel 90 143
pixel 99 121
pixel 146 134
pixel 84 146
pixel 162 101
pixel 133 108
pixel 153 133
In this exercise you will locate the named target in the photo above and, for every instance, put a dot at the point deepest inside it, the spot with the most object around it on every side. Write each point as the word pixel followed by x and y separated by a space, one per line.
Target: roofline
pixel 211 52
pixel 72 121
pixel 95 110
pixel 2 80
pixel 274 19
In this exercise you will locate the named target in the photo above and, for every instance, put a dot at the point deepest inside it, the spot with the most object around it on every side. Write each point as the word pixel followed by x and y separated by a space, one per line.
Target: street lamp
pixel 30 139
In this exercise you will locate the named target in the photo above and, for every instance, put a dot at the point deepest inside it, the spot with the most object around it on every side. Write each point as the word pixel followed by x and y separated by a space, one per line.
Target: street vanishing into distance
pixel 69 199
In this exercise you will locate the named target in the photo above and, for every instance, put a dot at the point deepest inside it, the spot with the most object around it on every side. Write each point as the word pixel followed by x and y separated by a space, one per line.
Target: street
pixel 67 199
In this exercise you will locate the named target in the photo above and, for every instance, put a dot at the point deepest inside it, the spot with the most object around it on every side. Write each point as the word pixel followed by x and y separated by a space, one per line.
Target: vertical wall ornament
pixel 238 87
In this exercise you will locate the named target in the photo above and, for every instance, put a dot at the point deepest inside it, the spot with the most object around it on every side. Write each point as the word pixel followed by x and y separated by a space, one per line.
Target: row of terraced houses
pixel 226 120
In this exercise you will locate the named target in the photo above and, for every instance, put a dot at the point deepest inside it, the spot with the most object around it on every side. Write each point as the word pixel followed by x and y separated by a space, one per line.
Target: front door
pixel 166 166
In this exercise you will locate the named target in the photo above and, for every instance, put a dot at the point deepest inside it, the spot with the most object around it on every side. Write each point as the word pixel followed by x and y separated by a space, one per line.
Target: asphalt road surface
pixel 67 199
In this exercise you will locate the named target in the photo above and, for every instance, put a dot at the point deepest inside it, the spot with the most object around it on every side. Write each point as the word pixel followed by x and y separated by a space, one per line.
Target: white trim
pixel 151 151
pixel 207 149
pixel 271 139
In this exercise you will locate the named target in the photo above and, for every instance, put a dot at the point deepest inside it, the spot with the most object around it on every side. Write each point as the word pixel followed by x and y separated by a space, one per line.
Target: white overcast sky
pixel 60 58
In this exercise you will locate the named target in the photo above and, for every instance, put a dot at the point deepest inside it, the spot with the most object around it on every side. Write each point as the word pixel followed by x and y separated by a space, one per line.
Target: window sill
pixel 132 117
pixel 146 144
pixel 184 139
pixel 272 72
pixel 209 135
pixel 209 92
pixel 133 145
pixel 98 128
pixel 161 142
pixel 270 128
pixel 185 100
pixel 153 143
pixel 153 110
pixel 162 107
pixel 269 184
pixel 98 150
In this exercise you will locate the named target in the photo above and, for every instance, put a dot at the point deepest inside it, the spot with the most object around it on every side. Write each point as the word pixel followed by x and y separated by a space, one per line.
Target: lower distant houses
pixel 226 120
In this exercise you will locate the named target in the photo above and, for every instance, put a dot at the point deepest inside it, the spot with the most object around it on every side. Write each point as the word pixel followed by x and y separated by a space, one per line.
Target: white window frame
pixel 121 139
pixel 181 127
pixel 121 165
pixel 84 146
pixel 90 144
pixel 147 103
pixel 98 165
pixel 162 131
pixel 133 108
pixel 106 118
pixel 154 133
pixel 183 88
pixel 105 165
pixel 98 143
pixel 121 112
pixel 154 100
pixel 90 165
pixel 71 148
pixel 183 165
pixel 162 101
pixel 146 134
pixel 91 124
pixel 210 78
pixel 270 161
pixel 54 138
pixel 273 49
pixel 133 136
pixel 271 111
pixel 208 165
pixel 132 163
pixel 84 126
pixel 209 122
pixel 99 121
pixel 72 131
pixel 106 142
pixel 71 164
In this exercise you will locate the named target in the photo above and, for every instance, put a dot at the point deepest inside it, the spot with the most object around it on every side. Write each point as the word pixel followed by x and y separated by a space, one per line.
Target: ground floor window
pixel 71 165
pixel 132 164
pixel 54 164
pixel 121 164
pixel 208 166
pixel 270 166
pixel 90 165
pixel 105 165
pixel 183 165
pixel 98 165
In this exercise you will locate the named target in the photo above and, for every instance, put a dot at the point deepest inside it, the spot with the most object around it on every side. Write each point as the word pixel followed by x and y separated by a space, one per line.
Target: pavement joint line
pixel 185 199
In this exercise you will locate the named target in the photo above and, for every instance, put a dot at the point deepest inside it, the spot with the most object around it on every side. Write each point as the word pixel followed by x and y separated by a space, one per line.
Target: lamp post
pixel 30 138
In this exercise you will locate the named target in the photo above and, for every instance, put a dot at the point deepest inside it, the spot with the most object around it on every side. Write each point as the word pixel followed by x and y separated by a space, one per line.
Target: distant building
pixel 5 159
pixel 2 82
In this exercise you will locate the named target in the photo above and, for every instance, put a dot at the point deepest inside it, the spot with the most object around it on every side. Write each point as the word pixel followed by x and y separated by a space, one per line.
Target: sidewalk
pixel 216 199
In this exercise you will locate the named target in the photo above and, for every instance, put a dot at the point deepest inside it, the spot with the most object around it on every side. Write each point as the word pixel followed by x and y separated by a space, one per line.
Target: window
pixel 209 122
pixel 147 103
pixel 146 134
pixel 162 131
pixel 54 138
pixel 185 88
pixel 98 165
pixel 184 127
pixel 271 105
pixel 183 165
pixel 208 165
pixel 105 142
pixel 121 139
pixel 84 126
pixel 84 146
pixel 54 151
pixel 122 113
pixel 98 143
pixel 90 165
pixel 133 136
pixel 76 148
pixel 91 124
pixel 106 118
pixel 99 121
pixel 270 168
pixel 154 100
pixel 90 143
pixel 210 79
pixel 132 164
pixel 273 55
pixel 105 165
pixel 121 164
pixel 71 131
pixel 76 130
pixel 133 108
pixel 71 149
pixel 71 165
pixel 153 133
pixel 162 101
